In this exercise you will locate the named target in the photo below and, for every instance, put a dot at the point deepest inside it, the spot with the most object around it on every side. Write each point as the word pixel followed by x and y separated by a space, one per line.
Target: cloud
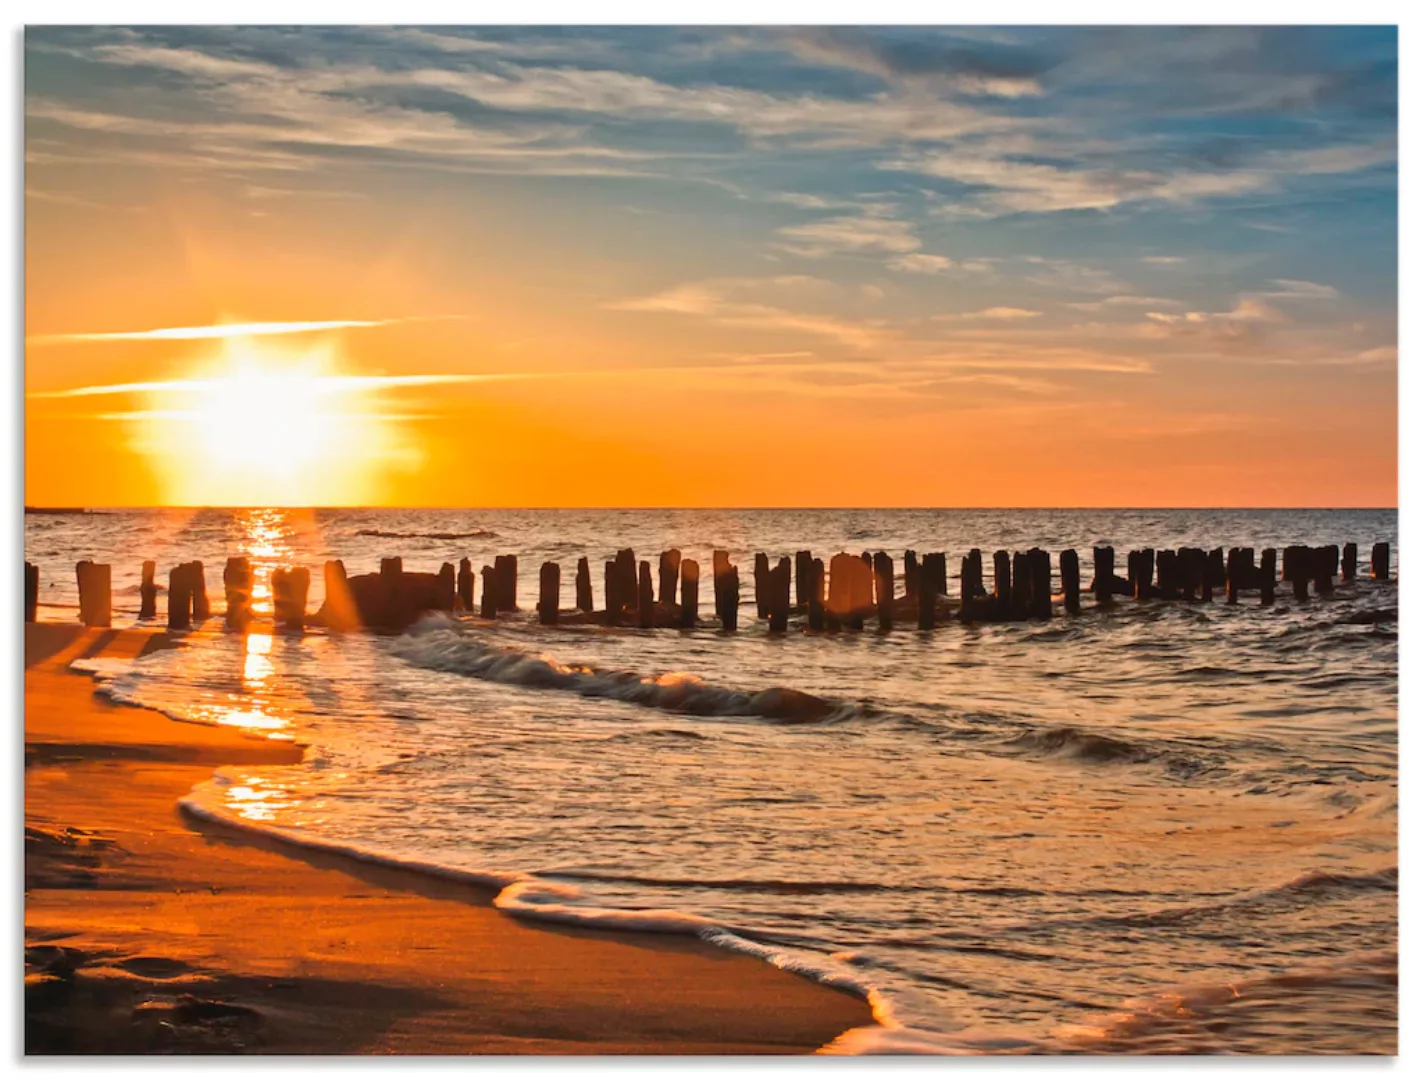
pixel 1125 301
pixel 1163 260
pixel 920 263
pixel 997 314
pixel 227 330
pixel 1290 289
pixel 331 384
pixel 870 232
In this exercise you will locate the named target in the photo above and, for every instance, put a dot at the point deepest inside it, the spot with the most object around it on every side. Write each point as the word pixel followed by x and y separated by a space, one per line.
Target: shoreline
pixel 149 931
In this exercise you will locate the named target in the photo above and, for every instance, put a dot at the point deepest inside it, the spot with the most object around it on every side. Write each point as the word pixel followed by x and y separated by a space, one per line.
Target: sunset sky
pixel 690 267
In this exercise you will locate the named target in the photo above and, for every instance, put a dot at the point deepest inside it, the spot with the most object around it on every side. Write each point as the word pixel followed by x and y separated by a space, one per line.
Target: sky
pixel 711 266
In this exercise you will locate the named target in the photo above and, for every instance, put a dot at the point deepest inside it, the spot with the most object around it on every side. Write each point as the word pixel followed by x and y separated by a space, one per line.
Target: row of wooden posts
pixel 840 595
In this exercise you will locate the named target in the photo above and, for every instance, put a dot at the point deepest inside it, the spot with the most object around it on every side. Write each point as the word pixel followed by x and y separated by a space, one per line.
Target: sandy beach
pixel 147 932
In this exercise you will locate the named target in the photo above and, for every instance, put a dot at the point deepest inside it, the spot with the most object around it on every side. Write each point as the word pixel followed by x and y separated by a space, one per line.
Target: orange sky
pixel 682 337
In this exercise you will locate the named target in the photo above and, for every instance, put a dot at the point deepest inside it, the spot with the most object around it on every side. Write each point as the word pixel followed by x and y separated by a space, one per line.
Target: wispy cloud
pixel 324 384
pixel 228 330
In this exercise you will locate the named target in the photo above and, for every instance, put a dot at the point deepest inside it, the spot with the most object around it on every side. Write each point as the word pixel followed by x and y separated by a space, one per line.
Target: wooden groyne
pixel 841 594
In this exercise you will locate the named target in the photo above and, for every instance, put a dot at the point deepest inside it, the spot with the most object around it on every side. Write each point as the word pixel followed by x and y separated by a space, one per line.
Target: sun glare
pixel 261 425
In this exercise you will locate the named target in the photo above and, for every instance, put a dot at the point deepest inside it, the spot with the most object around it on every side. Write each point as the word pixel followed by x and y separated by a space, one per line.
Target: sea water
pixel 1155 828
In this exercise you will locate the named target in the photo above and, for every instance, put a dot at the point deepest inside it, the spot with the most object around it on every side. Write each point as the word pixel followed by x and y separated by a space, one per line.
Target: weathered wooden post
pixel 1145 571
pixel 1215 571
pixel 884 591
pixel 927 596
pixel 1168 575
pixel 489 593
pixel 1378 562
pixel 392 567
pixel 449 592
pixel 626 563
pixel 95 593
pixel 1104 570
pixel 1297 570
pixel 506 567
pixel 612 593
pixel 549 575
pixel 732 600
pixel 583 586
pixel 761 569
pixel 934 573
pixel 1040 603
pixel 237 592
pixel 803 560
pixel 465 585
pixel 32 592
pixel 975 570
pixel 667 568
pixel 645 612
pixel 1324 561
pixel 779 595
pixel 1351 561
pixel 1233 563
pixel 180 600
pixel 691 586
pixel 1002 583
pixel 721 567
pixel 1071 573
pixel 913 573
pixel 290 586
pixel 338 609
pixel 148 591
pixel 815 595
pixel 1022 585
pixel 202 610
pixel 1190 571
pixel 1267 577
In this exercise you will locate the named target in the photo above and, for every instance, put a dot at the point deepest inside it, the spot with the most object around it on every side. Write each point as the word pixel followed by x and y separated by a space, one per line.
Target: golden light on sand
pixel 261 424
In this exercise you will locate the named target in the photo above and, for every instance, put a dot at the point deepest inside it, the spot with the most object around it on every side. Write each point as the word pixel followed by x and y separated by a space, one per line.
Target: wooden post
pixel 1104 570
pixel 548 593
pixel 934 573
pixel 1323 561
pixel 667 568
pixel 884 591
pixel 237 589
pixel 975 569
pixel 1234 562
pixel 488 593
pixel 1022 593
pixel 32 592
pixel 1145 571
pixel 612 593
pixel 1002 583
pixel 392 567
pixel 148 592
pixel 179 598
pixel 815 596
pixel 1351 561
pixel 202 610
pixel 803 560
pixel 1168 584
pixel 691 585
pixel 779 595
pixel 927 595
pixel 339 609
pixel 1297 569
pixel 626 563
pixel 449 590
pixel 95 593
pixel 1215 571
pixel 290 586
pixel 583 586
pixel 465 585
pixel 645 613
pixel 506 567
pixel 1378 562
pixel 1190 567
pixel 1071 573
pixel 732 600
pixel 913 573
pixel 1267 577
pixel 761 568
pixel 1040 578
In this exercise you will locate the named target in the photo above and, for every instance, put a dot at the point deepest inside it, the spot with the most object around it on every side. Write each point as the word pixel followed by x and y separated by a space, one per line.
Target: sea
pixel 1150 828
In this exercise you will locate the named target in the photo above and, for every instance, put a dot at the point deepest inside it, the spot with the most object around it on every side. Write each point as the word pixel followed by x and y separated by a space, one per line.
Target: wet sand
pixel 146 932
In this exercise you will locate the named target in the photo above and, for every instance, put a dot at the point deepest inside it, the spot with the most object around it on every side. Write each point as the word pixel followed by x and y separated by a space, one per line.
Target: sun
pixel 261 425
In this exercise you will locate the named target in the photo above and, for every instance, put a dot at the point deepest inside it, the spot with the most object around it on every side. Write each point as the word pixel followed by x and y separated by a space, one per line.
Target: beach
pixel 148 932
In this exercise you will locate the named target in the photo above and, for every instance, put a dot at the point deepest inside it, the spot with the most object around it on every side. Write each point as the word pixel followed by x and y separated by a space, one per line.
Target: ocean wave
pixel 525 895
pixel 385 535
pixel 1080 745
pixel 436 644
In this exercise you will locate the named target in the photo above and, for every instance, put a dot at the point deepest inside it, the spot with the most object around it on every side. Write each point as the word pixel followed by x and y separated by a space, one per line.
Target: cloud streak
pixel 229 330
